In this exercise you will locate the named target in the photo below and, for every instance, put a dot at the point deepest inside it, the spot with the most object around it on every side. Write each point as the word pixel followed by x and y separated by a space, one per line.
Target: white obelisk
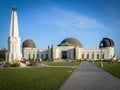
pixel 14 51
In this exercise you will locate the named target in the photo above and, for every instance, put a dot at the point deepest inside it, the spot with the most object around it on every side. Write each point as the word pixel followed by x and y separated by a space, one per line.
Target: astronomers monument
pixel 14 51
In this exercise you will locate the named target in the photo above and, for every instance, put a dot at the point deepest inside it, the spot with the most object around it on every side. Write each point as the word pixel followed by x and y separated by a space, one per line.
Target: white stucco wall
pixel 93 54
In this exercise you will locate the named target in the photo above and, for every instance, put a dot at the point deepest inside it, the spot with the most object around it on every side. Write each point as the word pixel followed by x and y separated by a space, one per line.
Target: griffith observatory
pixel 68 49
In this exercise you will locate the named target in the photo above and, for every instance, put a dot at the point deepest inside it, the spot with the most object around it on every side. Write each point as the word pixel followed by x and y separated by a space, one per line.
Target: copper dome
pixel 28 43
pixel 71 41
pixel 106 42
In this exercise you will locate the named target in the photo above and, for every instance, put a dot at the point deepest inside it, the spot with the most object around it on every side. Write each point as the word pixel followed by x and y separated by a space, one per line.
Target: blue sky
pixel 50 21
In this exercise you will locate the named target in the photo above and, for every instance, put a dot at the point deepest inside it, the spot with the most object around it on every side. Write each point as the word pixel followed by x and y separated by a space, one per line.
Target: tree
pixel 3 54
pixel 52 52
pixel 74 53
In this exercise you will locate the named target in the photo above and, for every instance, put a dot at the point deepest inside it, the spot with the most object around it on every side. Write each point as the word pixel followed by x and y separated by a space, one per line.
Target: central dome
pixel 71 41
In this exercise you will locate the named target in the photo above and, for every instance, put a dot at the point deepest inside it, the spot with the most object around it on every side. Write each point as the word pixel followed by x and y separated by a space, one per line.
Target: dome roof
pixel 28 43
pixel 106 42
pixel 71 41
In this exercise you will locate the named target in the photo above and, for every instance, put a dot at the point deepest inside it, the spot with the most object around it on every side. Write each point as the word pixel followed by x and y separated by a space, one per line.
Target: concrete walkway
pixel 89 77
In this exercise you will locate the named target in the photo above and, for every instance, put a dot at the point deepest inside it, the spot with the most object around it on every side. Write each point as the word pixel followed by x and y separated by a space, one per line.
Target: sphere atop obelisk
pixel 14 8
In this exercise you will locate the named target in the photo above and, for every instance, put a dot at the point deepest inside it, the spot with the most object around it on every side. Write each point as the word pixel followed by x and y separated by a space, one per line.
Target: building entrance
pixel 64 54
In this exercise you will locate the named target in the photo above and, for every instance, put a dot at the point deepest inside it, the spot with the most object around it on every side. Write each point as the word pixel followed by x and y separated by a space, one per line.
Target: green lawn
pixel 62 63
pixel 33 78
pixel 113 68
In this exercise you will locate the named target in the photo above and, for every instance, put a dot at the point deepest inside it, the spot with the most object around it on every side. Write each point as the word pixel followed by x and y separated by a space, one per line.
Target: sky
pixel 49 22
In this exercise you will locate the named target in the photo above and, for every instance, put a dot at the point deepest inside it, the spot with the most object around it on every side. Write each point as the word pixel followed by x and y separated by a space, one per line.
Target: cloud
pixel 71 20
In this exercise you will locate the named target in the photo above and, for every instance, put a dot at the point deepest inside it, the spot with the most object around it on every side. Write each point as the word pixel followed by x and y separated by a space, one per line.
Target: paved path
pixel 89 77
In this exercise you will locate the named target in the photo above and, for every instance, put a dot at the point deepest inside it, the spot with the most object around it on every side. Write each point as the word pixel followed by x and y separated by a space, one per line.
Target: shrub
pixel 79 60
pixel 7 64
pixel 104 60
pixel 16 64
pixel 44 60
pixel 33 63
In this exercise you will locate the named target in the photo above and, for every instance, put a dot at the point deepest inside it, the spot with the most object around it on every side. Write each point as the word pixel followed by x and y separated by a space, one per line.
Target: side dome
pixel 28 43
pixel 106 42
pixel 71 41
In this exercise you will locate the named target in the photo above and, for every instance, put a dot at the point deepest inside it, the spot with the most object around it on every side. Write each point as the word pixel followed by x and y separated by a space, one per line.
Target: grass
pixel 62 63
pixel 113 68
pixel 33 78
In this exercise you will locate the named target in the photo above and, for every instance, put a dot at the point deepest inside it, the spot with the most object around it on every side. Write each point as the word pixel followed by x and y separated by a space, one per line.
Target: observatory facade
pixel 69 48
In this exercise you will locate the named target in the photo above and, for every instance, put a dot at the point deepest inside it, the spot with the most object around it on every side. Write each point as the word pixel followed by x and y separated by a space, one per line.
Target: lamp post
pixel 101 64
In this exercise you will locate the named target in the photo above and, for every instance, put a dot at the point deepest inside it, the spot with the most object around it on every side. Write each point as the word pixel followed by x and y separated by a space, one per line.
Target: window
pixel 92 55
pixel 97 56
pixel 37 55
pixel 46 56
pixel 102 56
pixel 42 56
pixel 82 56
pixel 87 56
pixel 33 56
pixel 29 56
